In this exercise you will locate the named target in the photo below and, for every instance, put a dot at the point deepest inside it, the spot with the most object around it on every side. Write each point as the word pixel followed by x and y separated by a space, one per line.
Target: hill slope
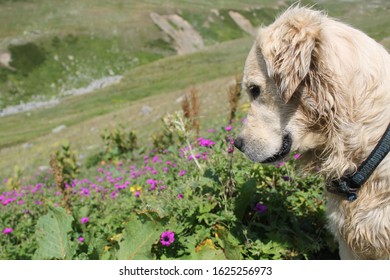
pixel 86 40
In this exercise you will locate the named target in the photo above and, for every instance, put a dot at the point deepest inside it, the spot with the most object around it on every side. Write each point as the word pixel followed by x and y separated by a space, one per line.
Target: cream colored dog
pixel 322 88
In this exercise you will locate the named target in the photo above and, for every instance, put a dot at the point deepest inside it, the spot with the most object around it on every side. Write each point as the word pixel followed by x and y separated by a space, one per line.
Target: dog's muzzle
pixel 285 148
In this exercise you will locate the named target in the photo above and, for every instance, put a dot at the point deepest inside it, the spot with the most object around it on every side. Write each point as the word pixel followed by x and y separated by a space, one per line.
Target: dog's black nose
pixel 238 143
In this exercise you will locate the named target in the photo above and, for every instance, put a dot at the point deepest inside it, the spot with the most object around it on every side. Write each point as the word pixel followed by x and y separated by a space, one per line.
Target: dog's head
pixel 289 87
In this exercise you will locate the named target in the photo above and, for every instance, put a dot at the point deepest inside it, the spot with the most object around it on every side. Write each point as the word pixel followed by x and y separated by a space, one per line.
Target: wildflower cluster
pixel 182 210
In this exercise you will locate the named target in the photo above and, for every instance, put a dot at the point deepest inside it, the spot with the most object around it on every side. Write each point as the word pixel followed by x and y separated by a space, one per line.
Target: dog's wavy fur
pixel 328 86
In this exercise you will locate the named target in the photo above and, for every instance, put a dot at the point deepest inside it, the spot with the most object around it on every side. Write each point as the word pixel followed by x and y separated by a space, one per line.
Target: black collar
pixel 348 185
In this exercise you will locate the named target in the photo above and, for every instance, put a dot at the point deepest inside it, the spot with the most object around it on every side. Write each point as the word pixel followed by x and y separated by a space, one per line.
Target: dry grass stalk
pixel 191 109
pixel 234 97
pixel 60 182
pixel 195 106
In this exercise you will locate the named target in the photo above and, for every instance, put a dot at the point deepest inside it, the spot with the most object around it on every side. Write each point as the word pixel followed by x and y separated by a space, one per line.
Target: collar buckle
pixel 343 187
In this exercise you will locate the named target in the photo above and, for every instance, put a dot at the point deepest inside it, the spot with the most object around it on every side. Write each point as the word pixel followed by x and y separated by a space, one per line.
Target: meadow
pixel 145 168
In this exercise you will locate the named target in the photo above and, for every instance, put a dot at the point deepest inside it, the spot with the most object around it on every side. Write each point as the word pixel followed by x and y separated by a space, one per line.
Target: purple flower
pixel 81 239
pixel 84 220
pixel 228 128
pixel 10 230
pixel 180 196
pixel 120 186
pixel 137 193
pixel 85 192
pixel 152 183
pixel 296 156
pixel 182 173
pixel 286 178
pixel 114 194
pixel 280 164
pixel 205 142
pixel 167 238
pixel 6 201
pixel 260 208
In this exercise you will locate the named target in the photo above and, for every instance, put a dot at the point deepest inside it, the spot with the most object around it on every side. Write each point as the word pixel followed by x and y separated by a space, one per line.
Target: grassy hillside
pixel 86 116
pixel 80 41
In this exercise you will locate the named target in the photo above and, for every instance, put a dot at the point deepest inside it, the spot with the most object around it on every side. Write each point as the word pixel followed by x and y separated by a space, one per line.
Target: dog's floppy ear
pixel 288 48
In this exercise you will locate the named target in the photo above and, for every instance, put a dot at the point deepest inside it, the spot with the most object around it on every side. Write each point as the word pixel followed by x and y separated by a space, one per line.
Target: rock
pixel 94 85
pixel 185 38
pixel 243 23
pixel 27 145
pixel 146 110
pixel 58 128
pixel 43 168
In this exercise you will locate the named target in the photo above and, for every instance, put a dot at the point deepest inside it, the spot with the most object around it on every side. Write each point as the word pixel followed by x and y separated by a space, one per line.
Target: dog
pixel 320 87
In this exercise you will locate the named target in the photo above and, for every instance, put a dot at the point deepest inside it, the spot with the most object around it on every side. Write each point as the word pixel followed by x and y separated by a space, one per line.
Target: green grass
pixel 151 84
pixel 55 51
pixel 152 79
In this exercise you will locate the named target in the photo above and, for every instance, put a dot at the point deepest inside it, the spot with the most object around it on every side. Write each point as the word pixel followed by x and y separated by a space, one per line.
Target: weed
pixel 119 143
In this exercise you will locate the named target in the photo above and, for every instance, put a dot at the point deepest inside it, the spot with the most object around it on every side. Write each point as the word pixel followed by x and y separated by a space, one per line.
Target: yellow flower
pixel 135 188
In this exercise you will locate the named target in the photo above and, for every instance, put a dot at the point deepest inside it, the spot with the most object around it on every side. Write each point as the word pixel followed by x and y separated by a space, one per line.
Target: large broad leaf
pixel 141 232
pixel 52 235
pixel 207 251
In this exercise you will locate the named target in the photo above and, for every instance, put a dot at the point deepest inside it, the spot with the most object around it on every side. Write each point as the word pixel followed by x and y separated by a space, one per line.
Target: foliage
pixel 14 182
pixel 52 235
pixel 229 208
pixel 64 163
pixel 118 142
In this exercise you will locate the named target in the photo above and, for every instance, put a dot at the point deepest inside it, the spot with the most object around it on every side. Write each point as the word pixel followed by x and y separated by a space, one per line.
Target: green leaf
pixel 207 251
pixel 52 235
pixel 246 196
pixel 139 236
pixel 230 244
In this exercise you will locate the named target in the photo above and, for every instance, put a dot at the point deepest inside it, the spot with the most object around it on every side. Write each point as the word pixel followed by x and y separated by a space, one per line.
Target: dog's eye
pixel 254 91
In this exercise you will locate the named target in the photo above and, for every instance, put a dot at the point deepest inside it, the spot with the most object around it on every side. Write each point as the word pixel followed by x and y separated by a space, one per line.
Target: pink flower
pixel 8 230
pixel 84 220
pixel 6 201
pixel 205 142
pixel 152 183
pixel 81 239
pixel 228 128
pixel 167 238
pixel 180 196
pixel 182 173
pixel 297 156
